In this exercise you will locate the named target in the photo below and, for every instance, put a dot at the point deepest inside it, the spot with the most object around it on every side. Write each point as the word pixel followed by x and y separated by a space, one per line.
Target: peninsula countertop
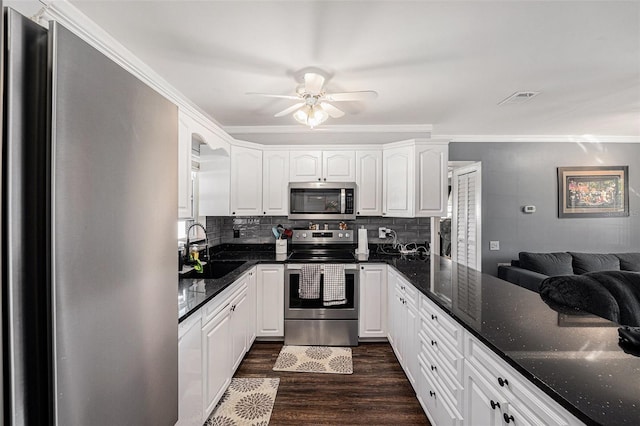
pixel 574 359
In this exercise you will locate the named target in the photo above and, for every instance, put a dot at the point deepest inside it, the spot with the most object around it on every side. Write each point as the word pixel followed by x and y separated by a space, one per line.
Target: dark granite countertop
pixel 573 358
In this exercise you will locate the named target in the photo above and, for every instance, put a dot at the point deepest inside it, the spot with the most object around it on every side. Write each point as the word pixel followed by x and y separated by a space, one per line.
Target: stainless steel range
pixel 321 289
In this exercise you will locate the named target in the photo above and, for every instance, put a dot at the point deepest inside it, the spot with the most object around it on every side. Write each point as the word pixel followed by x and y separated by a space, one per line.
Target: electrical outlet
pixel 494 245
pixel 382 232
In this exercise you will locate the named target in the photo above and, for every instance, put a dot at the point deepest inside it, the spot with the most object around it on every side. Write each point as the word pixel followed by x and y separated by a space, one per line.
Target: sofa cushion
pixel 546 263
pixel 629 261
pixel 594 262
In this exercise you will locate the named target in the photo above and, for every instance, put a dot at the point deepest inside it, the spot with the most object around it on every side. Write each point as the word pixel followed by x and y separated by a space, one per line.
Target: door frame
pixel 473 167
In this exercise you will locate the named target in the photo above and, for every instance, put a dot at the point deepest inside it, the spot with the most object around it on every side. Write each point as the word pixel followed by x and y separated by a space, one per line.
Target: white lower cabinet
pixel 190 371
pixel 457 379
pixel 403 323
pixel 211 345
pixel 270 301
pixel 216 357
pixel 372 321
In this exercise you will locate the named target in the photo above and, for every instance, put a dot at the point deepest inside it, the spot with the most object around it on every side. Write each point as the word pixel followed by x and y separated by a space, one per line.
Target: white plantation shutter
pixel 466 249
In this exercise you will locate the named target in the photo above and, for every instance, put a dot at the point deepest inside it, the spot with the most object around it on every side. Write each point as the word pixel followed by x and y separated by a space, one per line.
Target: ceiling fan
pixel 314 104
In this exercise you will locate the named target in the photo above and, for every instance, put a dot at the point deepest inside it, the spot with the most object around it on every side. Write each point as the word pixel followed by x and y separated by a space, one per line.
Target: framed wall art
pixel 599 191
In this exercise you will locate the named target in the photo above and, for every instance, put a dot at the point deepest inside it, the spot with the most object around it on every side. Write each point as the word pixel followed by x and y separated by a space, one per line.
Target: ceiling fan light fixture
pixel 311 116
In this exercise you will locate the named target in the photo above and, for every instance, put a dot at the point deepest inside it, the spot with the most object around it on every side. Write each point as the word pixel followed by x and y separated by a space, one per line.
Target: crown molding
pixel 592 139
pixel 336 128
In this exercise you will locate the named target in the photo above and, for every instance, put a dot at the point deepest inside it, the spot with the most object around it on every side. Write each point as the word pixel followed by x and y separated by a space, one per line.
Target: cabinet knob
pixel 434 368
pixel 508 419
pixel 319 179
pixel 325 179
pixel 494 404
pixel 233 212
pixel 383 213
pixel 362 267
pixel 434 317
pixel 264 212
pixel 434 343
pixel 432 393
pixel 357 212
pixel 503 382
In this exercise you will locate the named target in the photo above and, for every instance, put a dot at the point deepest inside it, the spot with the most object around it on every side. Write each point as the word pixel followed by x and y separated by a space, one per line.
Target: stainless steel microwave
pixel 322 200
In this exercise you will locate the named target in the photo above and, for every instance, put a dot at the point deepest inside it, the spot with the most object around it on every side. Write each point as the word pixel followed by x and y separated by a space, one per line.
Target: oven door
pixel 299 308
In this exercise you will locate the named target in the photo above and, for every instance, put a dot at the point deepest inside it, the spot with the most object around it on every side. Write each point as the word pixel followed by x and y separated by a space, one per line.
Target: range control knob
pixel 346 235
pixel 340 235
pixel 304 235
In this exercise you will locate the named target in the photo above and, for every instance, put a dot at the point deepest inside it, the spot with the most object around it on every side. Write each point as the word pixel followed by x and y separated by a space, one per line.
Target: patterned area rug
pixel 315 359
pixel 247 401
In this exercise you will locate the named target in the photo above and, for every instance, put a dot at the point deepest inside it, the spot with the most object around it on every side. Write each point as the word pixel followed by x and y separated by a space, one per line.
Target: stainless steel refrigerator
pixel 89 210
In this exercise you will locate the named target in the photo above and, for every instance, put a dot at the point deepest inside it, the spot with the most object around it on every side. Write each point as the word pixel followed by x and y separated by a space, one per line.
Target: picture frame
pixel 598 191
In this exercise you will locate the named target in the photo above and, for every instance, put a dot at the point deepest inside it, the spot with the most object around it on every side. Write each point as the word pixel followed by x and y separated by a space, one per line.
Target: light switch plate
pixel 494 245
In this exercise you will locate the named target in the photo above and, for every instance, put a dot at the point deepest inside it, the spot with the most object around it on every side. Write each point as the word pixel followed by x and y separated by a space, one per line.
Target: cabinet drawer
pixel 220 302
pixel 446 326
pixel 408 291
pixel 450 386
pixel 442 360
pixel 525 398
pixel 439 410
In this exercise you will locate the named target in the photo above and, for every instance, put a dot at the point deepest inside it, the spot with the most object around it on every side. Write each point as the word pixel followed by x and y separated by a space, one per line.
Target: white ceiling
pixel 444 64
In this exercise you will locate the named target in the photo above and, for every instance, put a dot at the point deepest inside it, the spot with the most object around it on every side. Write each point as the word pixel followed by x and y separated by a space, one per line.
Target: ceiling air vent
pixel 518 98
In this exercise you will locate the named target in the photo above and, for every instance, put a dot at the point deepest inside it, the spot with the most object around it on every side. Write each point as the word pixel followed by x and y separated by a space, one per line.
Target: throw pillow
pixel 594 262
pixel 629 261
pixel 551 264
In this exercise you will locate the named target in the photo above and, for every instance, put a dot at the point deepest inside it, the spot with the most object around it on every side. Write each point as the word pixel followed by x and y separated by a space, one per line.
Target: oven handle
pixel 298 266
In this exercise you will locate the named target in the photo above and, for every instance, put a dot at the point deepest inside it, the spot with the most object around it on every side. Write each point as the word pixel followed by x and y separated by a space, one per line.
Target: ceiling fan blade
pixel 351 96
pixel 289 110
pixel 331 110
pixel 313 82
pixel 269 95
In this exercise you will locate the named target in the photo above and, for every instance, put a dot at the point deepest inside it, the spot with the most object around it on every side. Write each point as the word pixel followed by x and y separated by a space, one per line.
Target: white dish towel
pixel 334 285
pixel 309 287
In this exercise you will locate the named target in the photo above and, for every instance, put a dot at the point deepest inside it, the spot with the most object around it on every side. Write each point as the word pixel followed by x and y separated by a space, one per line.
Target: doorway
pixel 466 214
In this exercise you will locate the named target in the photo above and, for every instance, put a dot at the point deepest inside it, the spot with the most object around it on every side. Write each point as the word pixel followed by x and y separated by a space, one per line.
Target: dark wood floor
pixel 377 393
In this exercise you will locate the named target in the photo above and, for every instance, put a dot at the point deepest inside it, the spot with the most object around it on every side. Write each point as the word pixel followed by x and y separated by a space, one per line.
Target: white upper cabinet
pixel 369 181
pixel 398 182
pixel 275 177
pixel 415 179
pixel 338 166
pixel 246 181
pixel 325 166
pixel 305 166
pixel 432 183
pixel 184 168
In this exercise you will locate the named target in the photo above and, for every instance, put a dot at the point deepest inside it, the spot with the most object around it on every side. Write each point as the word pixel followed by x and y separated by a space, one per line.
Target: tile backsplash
pixel 257 229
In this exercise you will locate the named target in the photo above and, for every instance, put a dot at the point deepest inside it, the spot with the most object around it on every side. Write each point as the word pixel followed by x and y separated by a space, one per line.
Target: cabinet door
pixel 432 182
pixel 398 182
pixel 190 409
pixel 270 301
pixel 238 324
pixel 246 181
pixel 399 314
pixel 338 166
pixel 373 301
pixel 391 305
pixel 481 404
pixel 216 361
pixel 252 306
pixel 184 168
pixel 275 174
pixel 369 181
pixel 305 166
pixel 410 341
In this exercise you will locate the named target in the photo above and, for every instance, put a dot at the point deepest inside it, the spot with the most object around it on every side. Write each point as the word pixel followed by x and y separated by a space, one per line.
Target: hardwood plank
pixel 377 393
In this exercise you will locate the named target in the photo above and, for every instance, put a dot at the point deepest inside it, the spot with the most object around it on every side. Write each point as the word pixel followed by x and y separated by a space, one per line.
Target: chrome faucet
pixel 206 241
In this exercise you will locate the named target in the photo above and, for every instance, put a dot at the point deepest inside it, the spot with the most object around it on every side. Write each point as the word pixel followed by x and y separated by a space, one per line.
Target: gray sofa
pixel 532 268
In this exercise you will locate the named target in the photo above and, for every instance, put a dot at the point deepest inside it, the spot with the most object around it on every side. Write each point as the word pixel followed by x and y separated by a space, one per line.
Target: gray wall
pixel 519 174
pixel 258 229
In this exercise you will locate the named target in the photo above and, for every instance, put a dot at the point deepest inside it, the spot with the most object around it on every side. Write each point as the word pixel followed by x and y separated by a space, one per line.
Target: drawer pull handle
pixel 494 404
pixel 432 393
pixel 508 419
pixel 503 382
pixel 434 317
pixel 434 343
pixel 433 368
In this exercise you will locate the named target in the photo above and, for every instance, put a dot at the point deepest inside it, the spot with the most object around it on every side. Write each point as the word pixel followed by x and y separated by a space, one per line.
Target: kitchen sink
pixel 215 269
